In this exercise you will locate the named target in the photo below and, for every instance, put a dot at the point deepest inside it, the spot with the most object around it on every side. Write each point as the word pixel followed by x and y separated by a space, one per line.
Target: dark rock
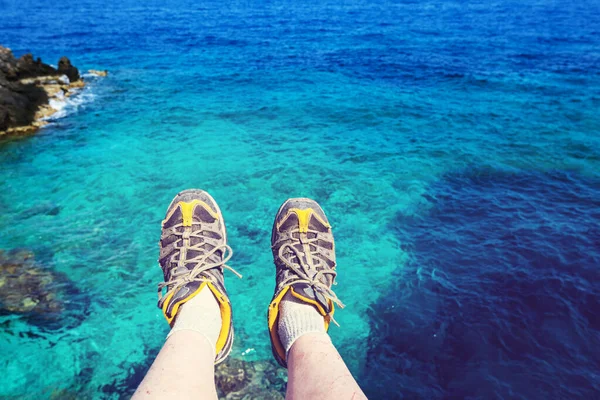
pixel 231 376
pixel 8 64
pixel 24 98
pixel 41 296
pixel 234 379
pixel 4 119
pixel 98 72
pixel 26 287
pixel 64 394
pixel 238 379
pixel 41 208
pixel 19 102
pixel 66 68
pixel 28 68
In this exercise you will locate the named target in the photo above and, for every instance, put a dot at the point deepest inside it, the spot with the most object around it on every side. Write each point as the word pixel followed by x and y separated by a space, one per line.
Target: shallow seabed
pixel 378 111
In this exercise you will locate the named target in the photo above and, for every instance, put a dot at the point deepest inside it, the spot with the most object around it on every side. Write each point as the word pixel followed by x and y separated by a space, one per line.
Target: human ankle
pixel 200 314
pixel 297 319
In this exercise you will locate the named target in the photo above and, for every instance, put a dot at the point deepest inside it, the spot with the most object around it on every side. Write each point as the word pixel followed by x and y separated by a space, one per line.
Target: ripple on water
pixel 500 296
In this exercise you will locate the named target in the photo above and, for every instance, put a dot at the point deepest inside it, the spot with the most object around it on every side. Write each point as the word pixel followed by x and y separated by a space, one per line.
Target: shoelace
pixel 180 279
pixel 301 271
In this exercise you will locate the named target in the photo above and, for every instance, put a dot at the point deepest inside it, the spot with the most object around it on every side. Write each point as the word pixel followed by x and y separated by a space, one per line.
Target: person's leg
pixel 184 369
pixel 315 368
pixel 316 371
pixel 303 304
pixel 193 253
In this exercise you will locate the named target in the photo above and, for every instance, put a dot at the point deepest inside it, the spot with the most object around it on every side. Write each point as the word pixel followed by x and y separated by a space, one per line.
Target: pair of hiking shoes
pixel 194 253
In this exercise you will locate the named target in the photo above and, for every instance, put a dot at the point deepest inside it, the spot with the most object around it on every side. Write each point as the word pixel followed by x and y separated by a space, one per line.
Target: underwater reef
pixel 38 295
pixel 239 379
pixel 235 379
pixel 48 301
pixel 25 287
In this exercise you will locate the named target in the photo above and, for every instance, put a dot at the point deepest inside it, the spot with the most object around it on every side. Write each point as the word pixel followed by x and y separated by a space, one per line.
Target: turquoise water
pixel 368 108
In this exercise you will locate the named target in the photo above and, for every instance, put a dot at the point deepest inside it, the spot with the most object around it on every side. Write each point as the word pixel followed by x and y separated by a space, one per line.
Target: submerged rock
pixel 41 208
pixel 98 73
pixel 26 287
pixel 41 296
pixel 77 84
pixel 234 379
pixel 238 379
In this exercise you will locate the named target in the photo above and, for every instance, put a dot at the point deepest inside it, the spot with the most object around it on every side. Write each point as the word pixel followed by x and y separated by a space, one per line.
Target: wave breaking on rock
pixel 32 93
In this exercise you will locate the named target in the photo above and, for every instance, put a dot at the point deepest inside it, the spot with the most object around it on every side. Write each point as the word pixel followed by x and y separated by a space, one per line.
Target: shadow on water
pixel 500 297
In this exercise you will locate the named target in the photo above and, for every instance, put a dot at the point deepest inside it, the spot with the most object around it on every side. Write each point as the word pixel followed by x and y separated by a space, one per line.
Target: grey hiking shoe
pixel 193 253
pixel 304 255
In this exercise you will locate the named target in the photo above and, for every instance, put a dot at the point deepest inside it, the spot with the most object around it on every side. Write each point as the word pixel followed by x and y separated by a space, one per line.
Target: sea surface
pixel 455 146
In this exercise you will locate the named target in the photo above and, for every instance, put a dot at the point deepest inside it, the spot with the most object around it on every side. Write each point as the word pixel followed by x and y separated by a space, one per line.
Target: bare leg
pixel 184 369
pixel 193 253
pixel 303 304
pixel 316 371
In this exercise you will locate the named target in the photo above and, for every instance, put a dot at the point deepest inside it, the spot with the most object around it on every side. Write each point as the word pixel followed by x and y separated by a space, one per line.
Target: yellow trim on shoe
pixel 274 317
pixel 303 218
pixel 273 326
pixel 327 317
pixel 179 303
pixel 187 210
pixel 225 317
pixel 223 306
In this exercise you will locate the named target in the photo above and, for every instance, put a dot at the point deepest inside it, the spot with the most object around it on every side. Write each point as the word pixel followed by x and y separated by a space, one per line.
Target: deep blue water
pixel 499 298
pixel 455 146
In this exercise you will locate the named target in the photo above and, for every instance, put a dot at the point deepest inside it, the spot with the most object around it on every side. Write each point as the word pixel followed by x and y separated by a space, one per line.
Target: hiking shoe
pixel 304 255
pixel 193 253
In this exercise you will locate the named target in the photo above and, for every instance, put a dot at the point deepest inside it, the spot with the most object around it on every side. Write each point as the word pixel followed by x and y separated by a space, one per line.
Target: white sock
pixel 201 314
pixel 297 318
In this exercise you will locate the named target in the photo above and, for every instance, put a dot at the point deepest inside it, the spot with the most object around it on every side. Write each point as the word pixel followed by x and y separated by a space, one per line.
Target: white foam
pixel 68 105
pixel 64 79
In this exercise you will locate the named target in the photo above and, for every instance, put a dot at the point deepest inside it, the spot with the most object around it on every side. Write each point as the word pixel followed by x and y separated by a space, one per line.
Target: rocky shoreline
pixel 28 87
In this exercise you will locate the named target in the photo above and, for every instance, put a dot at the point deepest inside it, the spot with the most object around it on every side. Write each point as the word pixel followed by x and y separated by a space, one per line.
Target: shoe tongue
pixel 313 293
